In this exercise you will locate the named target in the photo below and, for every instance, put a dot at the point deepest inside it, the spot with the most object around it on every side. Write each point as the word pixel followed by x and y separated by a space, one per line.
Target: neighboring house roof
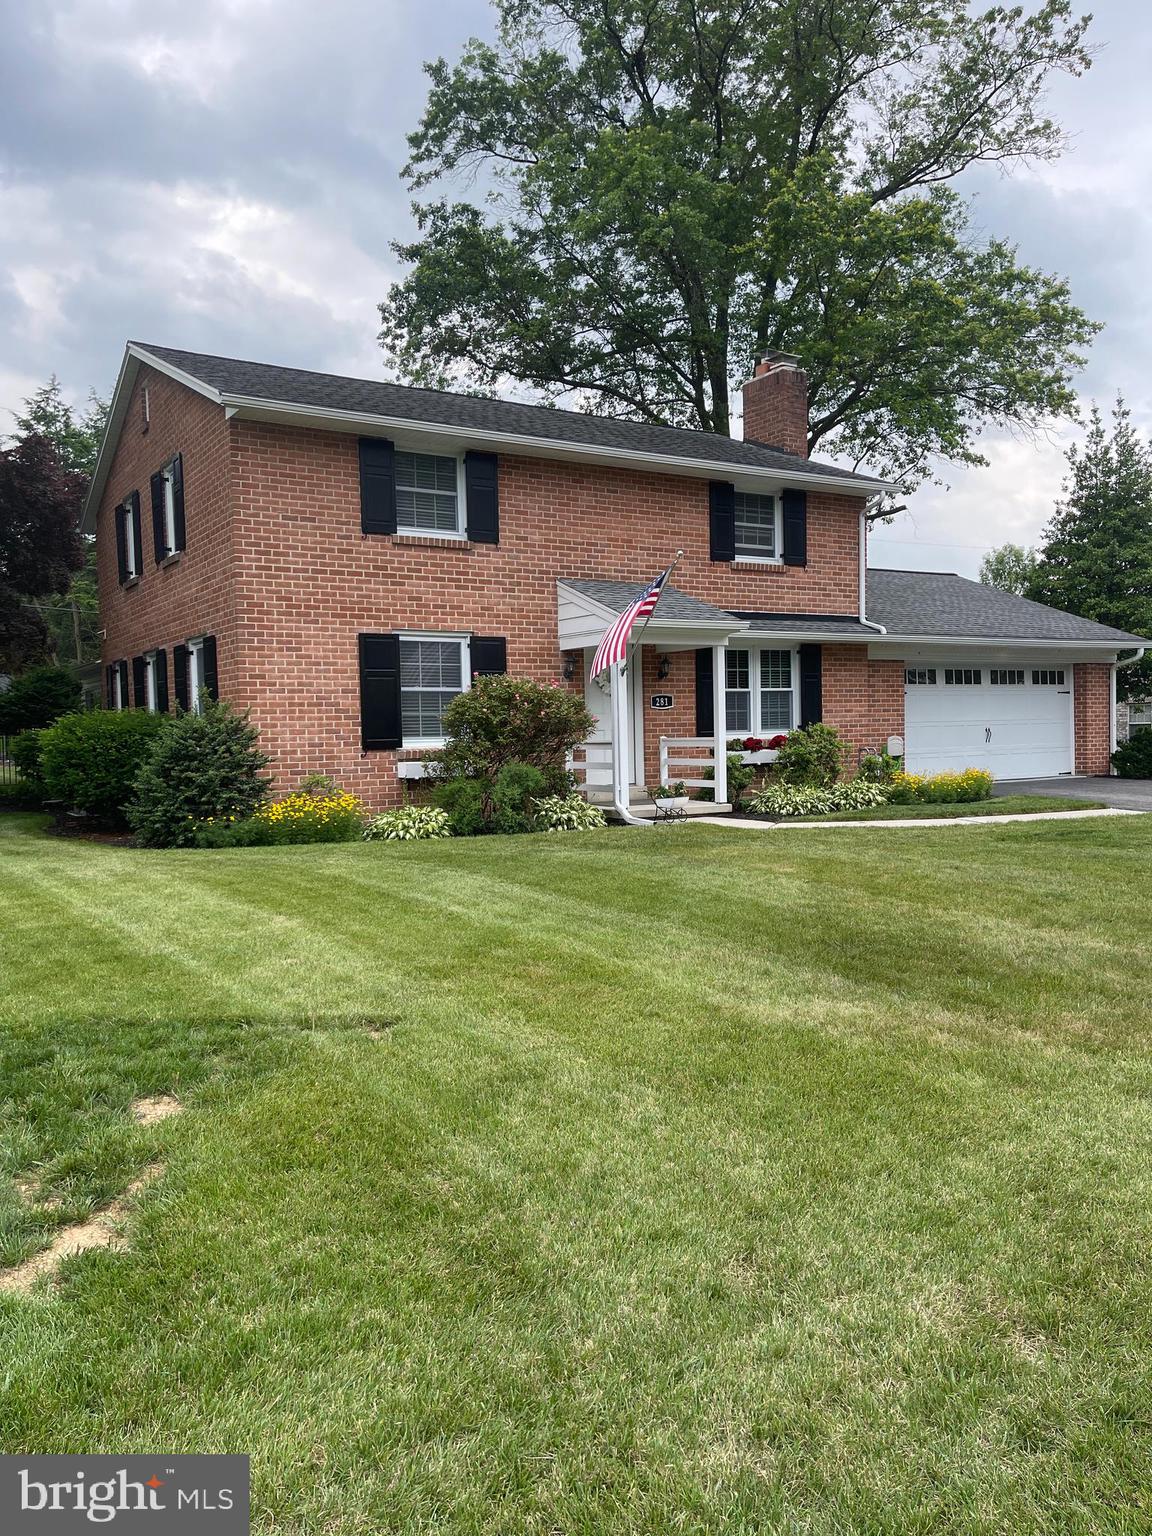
pixel 674 605
pixel 940 604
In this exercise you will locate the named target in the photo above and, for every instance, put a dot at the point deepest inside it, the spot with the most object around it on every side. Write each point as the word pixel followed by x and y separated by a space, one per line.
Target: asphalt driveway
pixel 1124 794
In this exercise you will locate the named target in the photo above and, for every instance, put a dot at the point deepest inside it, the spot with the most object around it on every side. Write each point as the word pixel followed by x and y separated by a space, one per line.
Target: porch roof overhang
pixel 586 608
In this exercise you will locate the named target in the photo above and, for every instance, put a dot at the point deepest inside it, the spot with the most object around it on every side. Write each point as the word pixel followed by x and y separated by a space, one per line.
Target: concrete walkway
pixel 742 823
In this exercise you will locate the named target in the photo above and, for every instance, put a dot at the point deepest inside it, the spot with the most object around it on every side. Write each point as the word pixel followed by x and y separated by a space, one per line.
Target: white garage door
pixel 1014 721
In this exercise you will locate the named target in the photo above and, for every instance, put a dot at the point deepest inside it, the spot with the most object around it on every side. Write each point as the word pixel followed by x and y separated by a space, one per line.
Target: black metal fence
pixel 8 774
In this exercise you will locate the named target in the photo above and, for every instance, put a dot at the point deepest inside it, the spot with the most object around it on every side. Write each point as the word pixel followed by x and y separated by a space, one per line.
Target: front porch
pixel 679 650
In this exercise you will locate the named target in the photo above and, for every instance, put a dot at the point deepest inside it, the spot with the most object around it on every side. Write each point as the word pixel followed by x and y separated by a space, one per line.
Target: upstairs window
pixel 128 552
pixel 757 533
pixel 433 670
pixel 429 498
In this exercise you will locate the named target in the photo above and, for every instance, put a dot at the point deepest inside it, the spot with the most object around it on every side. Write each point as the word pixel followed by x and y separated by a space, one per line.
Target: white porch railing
pixel 674 756
pixel 591 762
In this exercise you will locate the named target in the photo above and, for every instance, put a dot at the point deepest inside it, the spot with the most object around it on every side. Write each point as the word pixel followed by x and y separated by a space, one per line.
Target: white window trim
pixel 429 743
pixel 150 682
pixel 777 535
pixel 195 674
pixel 757 728
pixel 117 686
pixel 460 532
pixel 130 571
pixel 168 475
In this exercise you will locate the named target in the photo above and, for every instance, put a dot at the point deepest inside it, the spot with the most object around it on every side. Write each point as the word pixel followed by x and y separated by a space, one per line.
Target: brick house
pixel 341 556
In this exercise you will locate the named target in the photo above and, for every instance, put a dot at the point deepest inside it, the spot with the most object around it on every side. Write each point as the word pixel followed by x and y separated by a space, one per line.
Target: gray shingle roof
pixel 470 413
pixel 673 604
pixel 939 603
pixel 807 624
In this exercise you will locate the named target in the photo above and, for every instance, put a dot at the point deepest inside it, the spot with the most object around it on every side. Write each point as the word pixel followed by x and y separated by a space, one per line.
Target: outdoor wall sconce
pixel 569 672
pixel 663 665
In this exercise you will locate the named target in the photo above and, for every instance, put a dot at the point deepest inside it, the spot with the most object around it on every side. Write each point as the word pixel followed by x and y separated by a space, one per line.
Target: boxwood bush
pixel 204 766
pixel 91 761
pixel 1133 760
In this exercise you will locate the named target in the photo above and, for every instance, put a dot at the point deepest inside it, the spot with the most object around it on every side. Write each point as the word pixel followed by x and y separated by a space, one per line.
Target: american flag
pixel 614 646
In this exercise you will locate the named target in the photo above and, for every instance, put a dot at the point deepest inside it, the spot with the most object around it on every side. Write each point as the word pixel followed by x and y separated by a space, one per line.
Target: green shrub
pixel 203 767
pixel 567 813
pixel 247 833
pixel 502 720
pixel 24 750
pixel 463 802
pixel 37 698
pixel 813 756
pixel 879 767
pixel 409 824
pixel 91 761
pixel 811 800
pixel 516 789
pixel 1133 760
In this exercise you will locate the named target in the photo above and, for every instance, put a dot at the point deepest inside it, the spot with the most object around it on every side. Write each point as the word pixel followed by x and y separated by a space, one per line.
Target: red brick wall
pixel 776 408
pixel 193 593
pixel 1092 681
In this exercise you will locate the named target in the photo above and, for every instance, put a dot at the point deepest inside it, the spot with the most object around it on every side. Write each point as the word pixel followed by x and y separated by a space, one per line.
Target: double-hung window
pixel 429 494
pixel 173 540
pixel 129 514
pixel 757 527
pixel 433 670
pixel 759 691
pixel 150 689
pixel 195 675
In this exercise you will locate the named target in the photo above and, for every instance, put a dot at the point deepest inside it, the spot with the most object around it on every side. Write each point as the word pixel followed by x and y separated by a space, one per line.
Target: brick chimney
pixel 776 404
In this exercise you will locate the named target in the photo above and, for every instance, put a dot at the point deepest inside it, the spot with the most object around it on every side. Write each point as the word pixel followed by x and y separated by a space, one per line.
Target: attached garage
pixel 1014 719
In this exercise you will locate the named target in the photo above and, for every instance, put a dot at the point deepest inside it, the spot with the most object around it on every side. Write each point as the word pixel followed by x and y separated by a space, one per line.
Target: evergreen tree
pixel 1096 557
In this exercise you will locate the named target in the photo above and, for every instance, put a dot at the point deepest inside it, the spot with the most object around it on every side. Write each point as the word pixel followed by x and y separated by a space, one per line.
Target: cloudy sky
pixel 224 175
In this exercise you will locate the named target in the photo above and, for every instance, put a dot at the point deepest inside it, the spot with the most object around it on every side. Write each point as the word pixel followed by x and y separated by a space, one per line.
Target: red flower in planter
pixel 776 742
pixel 752 744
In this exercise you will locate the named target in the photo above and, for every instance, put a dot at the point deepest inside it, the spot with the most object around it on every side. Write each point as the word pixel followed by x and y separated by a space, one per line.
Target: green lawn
pixel 680 1180
pixel 1006 805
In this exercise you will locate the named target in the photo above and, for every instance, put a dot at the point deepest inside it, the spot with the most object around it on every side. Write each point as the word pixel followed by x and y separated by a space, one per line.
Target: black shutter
pixel 489 655
pixel 121 546
pixel 721 520
pixel 162 682
pixel 122 669
pixel 178 528
pixel 159 535
pixel 377 485
pixel 208 662
pixel 380 727
pixel 110 685
pixel 705 697
pixel 795 508
pixel 180 669
pixel 139 688
pixel 811 687
pixel 137 542
pixel 482 497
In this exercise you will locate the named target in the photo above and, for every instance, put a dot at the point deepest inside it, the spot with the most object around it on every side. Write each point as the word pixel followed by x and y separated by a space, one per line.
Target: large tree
pixel 672 186
pixel 1096 554
pixel 1009 568
pixel 69 620
pixel 40 545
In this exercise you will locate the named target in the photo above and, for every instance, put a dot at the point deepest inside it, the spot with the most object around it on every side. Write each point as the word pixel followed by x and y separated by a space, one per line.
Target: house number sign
pixel 661 701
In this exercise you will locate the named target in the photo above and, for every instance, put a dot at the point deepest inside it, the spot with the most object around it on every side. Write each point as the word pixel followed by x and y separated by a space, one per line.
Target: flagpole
pixel 648 616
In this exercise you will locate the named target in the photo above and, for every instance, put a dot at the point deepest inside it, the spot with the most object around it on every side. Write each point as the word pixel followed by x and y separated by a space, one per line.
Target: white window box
pixel 764 755
pixel 412 770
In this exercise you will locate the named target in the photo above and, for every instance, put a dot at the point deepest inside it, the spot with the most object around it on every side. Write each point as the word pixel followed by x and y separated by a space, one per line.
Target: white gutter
pixel 864 575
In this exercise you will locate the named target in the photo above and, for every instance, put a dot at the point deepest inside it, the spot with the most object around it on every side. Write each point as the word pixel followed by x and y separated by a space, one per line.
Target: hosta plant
pixel 408 824
pixel 567 813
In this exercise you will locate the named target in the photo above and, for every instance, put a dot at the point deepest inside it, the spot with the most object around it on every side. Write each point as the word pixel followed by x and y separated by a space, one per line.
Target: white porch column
pixel 622 747
pixel 718 723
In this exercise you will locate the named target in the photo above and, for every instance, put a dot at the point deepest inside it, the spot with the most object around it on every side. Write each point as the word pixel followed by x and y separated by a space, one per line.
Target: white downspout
pixel 864 619
pixel 621 733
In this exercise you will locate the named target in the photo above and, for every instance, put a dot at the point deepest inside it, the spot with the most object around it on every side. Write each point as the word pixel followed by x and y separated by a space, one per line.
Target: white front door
pixel 598 698
pixel 1013 720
